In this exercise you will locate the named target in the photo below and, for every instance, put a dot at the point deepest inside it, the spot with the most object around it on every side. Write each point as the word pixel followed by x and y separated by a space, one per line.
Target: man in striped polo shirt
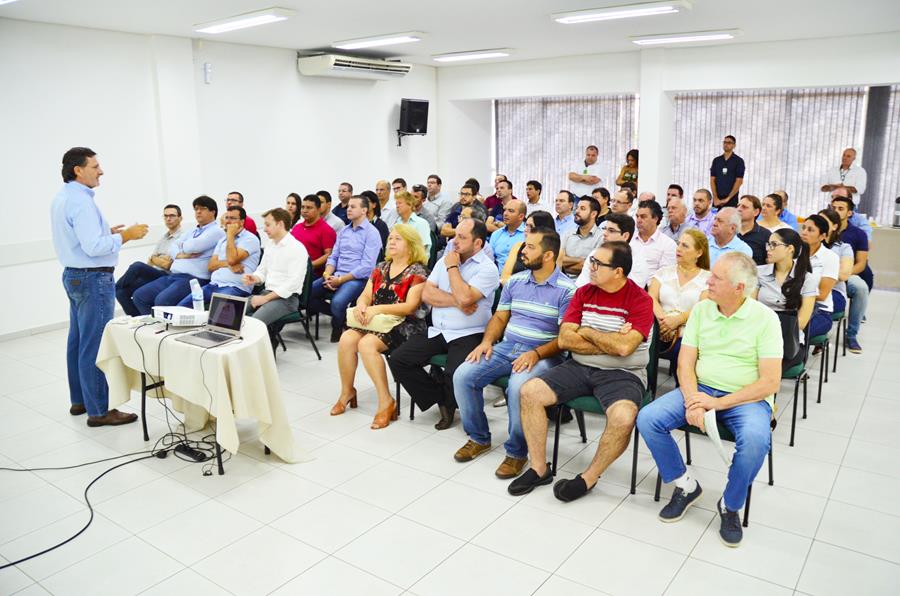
pixel 607 328
pixel 531 306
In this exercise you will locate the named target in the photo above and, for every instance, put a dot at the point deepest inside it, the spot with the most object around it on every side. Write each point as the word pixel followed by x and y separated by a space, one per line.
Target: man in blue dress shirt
pixel 512 232
pixel 88 249
pixel 190 254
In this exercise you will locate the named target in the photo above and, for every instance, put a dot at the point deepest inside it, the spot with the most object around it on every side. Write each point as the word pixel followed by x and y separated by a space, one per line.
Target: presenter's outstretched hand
pixel 135 232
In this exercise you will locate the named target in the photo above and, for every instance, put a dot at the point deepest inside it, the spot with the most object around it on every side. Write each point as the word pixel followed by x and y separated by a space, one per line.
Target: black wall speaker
pixel 413 116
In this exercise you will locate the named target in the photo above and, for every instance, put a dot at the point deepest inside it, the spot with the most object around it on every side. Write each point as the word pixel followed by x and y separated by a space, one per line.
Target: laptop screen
pixel 226 312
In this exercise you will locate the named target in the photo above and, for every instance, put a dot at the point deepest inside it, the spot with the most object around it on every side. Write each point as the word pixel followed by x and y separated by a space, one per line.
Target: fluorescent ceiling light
pixel 666 38
pixel 627 11
pixel 474 55
pixel 243 21
pixel 2 2
pixel 379 40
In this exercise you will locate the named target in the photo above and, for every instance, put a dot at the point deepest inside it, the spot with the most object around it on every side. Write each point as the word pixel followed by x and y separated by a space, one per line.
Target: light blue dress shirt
pixel 565 225
pixel 479 272
pixel 81 234
pixel 502 242
pixel 736 244
pixel 225 276
pixel 862 223
pixel 356 251
pixel 201 241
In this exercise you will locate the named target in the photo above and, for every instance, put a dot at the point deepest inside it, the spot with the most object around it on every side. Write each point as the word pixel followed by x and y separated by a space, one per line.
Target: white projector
pixel 179 316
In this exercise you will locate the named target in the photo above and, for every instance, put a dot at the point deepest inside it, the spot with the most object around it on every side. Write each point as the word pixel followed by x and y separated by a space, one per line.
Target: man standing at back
pixel 847 175
pixel 584 177
pixel 726 175
pixel 88 248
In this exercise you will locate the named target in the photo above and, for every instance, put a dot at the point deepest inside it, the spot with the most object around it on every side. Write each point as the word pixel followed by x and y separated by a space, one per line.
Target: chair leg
pixel 822 368
pixel 579 417
pixel 747 506
pixel 805 379
pixel 312 340
pixel 634 462
pixel 794 409
pixel 687 447
pixel 837 342
pixel 556 441
pixel 844 345
pixel 827 354
pixel 317 325
pixel 658 487
pixel 412 404
pixel 771 474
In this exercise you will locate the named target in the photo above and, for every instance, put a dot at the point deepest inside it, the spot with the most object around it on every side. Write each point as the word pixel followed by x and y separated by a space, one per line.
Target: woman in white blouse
pixel 786 281
pixel 826 265
pixel 677 288
pixel 845 258
pixel 769 218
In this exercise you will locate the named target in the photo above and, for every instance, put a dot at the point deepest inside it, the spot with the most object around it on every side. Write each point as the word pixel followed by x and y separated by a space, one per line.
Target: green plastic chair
pixel 300 316
pixel 841 319
pixel 823 341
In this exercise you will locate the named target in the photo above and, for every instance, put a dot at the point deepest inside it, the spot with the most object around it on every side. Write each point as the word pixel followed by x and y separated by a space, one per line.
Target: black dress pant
pixel 408 363
pixel 137 275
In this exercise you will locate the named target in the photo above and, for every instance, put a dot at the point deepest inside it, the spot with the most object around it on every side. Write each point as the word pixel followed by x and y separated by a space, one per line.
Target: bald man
pixel 388 206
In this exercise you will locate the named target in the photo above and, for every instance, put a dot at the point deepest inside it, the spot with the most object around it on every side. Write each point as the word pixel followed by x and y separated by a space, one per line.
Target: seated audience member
pixel 607 329
pixel 504 193
pixel 845 258
pixel 676 289
pixel 861 278
pixel 491 202
pixel 282 270
pixel 466 214
pixel 856 219
pixel 314 233
pixel 604 199
pixel 620 228
pixel 419 192
pixel 723 235
pixel 235 254
pixel 348 267
pixel 512 232
pixel 406 205
pixel 292 206
pixel 437 202
pixel 632 188
pixel 786 281
pixel 140 273
pixel 236 199
pixel 786 216
pixel 730 362
pixel 564 222
pixel 702 217
pixel 477 186
pixel 460 291
pixel 629 171
pixel 394 289
pixel 825 266
pixel 533 202
pixel 514 262
pixel 345 191
pixel 580 244
pixel 190 257
pixel 541 295
pixel 374 216
pixel 645 196
pixel 622 201
pixel 771 212
pixel 659 249
pixel 677 213
pixel 753 235
pixel 387 210
pixel 333 220
pixel 674 191
pixel 466 199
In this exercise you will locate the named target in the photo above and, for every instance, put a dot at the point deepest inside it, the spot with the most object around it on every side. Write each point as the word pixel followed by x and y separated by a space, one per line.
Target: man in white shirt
pixel 847 175
pixel 333 220
pixel 586 175
pixel 437 202
pixel 282 270
pixel 533 197
pixel 659 249
pixel 620 228
pixel 388 206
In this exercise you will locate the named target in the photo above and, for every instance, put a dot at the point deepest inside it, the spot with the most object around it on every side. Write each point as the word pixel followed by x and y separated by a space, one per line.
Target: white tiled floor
pixel 390 512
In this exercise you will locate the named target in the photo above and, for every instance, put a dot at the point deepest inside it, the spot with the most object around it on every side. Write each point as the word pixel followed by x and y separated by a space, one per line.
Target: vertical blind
pixel 544 138
pixel 787 138
pixel 886 189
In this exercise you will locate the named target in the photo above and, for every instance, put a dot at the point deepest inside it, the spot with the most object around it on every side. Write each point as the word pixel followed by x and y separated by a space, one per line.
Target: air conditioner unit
pixel 351 67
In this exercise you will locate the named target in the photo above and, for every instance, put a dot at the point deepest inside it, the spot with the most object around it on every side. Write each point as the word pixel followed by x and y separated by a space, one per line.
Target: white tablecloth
pixel 238 380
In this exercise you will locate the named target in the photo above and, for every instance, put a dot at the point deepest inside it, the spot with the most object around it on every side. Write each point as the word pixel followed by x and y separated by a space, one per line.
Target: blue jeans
pixel 858 292
pixel 343 297
pixel 91 303
pixel 209 290
pixel 469 382
pixel 819 323
pixel 165 291
pixel 138 274
pixel 749 423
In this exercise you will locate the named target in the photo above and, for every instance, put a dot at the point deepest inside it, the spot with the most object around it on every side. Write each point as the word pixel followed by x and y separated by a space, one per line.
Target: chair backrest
pixel 307 285
pixel 433 252
pixel 497 293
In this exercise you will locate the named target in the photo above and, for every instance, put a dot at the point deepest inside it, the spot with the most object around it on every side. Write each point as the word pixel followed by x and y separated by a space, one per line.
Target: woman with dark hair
pixel 629 172
pixel 537 220
pixel 292 206
pixel 826 266
pixel 786 281
pixel 769 217
pixel 375 215
pixel 845 255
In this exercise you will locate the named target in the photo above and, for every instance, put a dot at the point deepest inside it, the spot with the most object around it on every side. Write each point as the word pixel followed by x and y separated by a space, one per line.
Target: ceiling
pixel 461 25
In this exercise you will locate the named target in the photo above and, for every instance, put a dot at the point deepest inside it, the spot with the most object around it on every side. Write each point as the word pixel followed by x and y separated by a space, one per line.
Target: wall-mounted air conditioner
pixel 351 67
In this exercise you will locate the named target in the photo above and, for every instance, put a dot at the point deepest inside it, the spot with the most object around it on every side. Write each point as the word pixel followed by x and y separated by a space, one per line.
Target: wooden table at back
pixel 237 380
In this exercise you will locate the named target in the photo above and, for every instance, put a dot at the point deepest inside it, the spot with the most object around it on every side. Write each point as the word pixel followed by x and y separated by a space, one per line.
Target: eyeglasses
pixel 465 194
pixel 774 245
pixel 596 264
pixel 611 230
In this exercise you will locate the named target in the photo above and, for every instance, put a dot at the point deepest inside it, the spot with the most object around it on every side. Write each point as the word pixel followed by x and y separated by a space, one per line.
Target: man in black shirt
pixel 726 175
pixel 751 232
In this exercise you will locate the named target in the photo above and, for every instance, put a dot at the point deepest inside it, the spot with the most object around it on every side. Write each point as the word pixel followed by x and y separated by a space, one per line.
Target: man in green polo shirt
pixel 730 362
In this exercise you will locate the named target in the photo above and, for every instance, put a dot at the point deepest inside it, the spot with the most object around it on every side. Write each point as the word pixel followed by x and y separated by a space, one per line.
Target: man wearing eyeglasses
pixel 236 199
pixel 140 273
pixel 466 199
pixel 620 228
pixel 419 192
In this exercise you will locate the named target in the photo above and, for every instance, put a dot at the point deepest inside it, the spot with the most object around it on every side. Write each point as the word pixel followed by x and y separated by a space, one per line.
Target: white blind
pixel 544 138
pixel 787 138
pixel 886 189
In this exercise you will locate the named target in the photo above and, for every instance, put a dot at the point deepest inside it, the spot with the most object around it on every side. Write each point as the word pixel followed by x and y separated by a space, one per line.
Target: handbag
pixel 790 335
pixel 380 323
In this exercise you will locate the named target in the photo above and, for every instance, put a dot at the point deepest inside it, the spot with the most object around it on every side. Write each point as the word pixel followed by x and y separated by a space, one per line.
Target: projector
pixel 179 316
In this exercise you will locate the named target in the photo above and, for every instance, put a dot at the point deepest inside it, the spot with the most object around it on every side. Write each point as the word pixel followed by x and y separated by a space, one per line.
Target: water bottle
pixel 197 295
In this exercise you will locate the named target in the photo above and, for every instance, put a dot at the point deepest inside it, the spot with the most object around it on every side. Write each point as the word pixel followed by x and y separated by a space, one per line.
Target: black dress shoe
pixel 77 409
pixel 447 414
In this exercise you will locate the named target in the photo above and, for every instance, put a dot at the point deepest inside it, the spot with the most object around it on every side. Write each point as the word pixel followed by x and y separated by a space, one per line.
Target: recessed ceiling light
pixel 243 21
pixel 473 55
pixel 379 40
pixel 2 2
pixel 626 11
pixel 666 38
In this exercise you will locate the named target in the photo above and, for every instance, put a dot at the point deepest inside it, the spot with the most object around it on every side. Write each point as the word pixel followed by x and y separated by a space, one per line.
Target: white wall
pixel 164 135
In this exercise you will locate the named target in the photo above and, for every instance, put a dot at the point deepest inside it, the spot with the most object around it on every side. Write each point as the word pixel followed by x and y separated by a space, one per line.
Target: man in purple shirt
pixel 702 217
pixel 348 268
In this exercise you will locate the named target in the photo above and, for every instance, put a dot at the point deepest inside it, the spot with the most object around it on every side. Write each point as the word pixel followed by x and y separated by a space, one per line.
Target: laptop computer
pixel 226 313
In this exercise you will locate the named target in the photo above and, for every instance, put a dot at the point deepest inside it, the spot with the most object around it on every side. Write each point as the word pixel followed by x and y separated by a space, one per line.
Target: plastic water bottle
pixel 197 295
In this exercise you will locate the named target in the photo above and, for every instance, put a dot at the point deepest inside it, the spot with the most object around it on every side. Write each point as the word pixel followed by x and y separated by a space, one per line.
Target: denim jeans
pixel 469 382
pixel 92 298
pixel 343 297
pixel 138 274
pixel 749 423
pixel 858 292
pixel 209 290
pixel 819 323
pixel 165 291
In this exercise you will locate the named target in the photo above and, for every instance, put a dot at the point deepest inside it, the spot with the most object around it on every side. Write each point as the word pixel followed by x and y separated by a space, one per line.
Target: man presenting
pixel 88 249
pixel 726 175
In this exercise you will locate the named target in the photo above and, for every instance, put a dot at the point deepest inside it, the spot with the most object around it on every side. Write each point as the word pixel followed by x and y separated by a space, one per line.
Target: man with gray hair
pixel 677 219
pixel 723 235
pixel 730 363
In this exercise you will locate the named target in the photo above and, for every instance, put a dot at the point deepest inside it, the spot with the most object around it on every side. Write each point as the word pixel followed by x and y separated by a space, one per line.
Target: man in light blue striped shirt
pixel 531 307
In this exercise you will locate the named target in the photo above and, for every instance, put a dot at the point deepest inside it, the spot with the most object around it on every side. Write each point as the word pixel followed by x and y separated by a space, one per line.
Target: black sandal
pixel 569 490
